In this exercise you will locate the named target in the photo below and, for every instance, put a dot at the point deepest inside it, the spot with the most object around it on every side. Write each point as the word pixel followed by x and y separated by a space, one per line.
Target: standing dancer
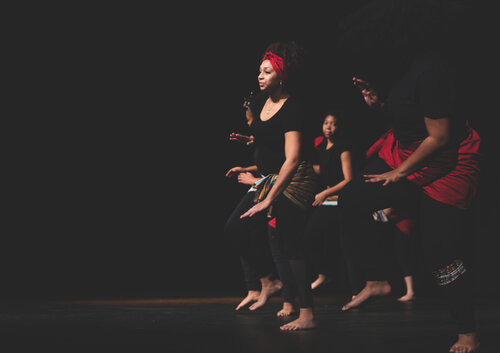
pixel 335 170
pixel 431 156
pixel 287 191
pixel 259 293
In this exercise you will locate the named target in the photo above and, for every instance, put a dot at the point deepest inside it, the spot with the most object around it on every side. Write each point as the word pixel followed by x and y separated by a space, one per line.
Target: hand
pixel 319 199
pixel 247 178
pixel 261 206
pixel 234 170
pixel 390 177
pixel 371 97
pixel 243 139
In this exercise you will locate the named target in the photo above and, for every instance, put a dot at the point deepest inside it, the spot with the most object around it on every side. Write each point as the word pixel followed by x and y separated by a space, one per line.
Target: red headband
pixel 277 63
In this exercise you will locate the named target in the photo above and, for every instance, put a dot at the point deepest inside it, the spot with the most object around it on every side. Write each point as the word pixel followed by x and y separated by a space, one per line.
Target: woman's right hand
pixel 243 139
pixel 370 96
pixel 247 178
pixel 234 170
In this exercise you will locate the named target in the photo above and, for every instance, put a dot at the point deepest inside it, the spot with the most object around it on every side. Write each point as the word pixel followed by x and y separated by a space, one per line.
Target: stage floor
pixel 212 325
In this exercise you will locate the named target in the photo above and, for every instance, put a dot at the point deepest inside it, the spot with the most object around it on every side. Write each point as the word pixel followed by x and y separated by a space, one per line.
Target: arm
pixel 346 161
pixel 292 156
pixel 316 168
pixel 439 136
pixel 370 96
pixel 249 116
pixel 237 170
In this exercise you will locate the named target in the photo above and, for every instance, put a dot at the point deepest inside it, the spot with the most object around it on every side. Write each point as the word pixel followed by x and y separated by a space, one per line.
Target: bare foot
pixel 372 288
pixel 269 287
pixel 252 296
pixel 304 322
pixel 467 342
pixel 287 310
pixel 408 297
pixel 319 281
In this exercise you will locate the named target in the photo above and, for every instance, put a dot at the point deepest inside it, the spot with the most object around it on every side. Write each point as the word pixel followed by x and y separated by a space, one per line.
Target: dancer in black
pixel 288 189
pixel 431 156
pixel 260 289
pixel 335 170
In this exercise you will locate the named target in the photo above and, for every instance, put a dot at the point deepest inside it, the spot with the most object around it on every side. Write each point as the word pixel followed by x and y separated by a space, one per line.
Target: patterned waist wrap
pixel 301 189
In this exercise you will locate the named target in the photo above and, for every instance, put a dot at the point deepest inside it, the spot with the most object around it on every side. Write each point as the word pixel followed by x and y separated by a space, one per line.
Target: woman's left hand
pixel 243 139
pixel 319 199
pixel 390 177
pixel 261 206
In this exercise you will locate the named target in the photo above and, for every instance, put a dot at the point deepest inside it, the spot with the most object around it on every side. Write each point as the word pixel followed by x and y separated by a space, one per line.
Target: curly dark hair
pixel 293 55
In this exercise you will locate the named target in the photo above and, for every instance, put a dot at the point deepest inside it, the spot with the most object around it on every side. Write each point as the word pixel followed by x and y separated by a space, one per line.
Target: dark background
pixel 118 186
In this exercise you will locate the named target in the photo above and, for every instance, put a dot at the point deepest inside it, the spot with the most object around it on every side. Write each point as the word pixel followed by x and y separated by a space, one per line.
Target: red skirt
pixel 451 177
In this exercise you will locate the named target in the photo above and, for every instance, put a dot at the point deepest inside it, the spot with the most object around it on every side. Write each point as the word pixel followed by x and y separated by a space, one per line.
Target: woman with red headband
pixel 260 289
pixel 288 188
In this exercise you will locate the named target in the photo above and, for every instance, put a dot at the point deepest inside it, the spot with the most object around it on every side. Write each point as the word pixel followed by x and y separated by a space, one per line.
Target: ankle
pixel 306 314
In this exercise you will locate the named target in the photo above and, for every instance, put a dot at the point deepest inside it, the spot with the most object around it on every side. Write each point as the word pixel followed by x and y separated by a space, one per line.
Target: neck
pixel 278 94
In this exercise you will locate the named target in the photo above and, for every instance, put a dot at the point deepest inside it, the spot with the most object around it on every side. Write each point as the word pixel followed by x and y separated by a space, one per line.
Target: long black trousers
pixel 248 241
pixel 441 230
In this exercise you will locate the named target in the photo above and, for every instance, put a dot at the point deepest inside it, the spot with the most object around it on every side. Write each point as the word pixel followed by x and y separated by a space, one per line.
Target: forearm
pixel 421 155
pixel 251 169
pixel 285 175
pixel 336 188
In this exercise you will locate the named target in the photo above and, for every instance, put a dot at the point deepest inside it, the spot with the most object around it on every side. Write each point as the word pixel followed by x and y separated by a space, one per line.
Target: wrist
pixel 326 193
pixel 267 201
pixel 401 173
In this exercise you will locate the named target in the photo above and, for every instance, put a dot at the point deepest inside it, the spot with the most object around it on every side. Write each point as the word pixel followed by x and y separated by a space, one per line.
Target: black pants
pixel 248 241
pixel 404 248
pixel 281 264
pixel 440 228
pixel 324 245
pixel 322 238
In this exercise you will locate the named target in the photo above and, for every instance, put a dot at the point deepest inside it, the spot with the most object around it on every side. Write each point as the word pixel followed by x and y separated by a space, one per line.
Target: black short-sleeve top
pixel 426 90
pixel 270 134
pixel 330 164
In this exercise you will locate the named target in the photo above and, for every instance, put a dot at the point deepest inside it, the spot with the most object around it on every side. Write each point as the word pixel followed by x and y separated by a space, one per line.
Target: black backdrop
pixel 119 187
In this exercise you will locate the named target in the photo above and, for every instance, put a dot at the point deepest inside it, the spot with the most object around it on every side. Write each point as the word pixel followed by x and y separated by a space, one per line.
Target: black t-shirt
pixel 426 90
pixel 330 165
pixel 270 134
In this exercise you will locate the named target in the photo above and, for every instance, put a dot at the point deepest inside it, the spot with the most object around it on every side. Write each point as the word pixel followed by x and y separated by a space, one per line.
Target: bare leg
pixel 269 287
pixel 467 342
pixel 319 281
pixel 410 293
pixel 287 309
pixel 252 296
pixel 305 321
pixel 372 288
